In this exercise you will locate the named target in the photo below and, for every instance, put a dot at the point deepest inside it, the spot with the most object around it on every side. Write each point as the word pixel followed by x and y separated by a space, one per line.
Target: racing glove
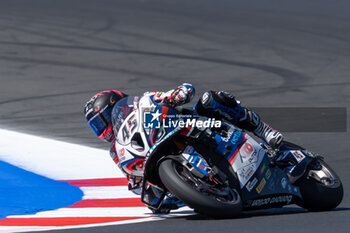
pixel 181 95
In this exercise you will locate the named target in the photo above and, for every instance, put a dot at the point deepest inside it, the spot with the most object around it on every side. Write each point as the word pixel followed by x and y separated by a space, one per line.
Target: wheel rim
pixel 223 194
pixel 322 174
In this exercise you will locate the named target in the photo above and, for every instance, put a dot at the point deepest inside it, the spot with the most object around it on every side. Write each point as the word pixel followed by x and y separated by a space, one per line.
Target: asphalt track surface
pixel 54 55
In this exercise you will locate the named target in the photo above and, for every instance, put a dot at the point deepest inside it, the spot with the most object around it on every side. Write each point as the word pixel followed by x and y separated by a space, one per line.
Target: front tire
pixel 177 179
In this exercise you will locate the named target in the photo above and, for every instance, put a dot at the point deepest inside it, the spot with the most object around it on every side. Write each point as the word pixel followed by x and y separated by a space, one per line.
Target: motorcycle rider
pixel 220 105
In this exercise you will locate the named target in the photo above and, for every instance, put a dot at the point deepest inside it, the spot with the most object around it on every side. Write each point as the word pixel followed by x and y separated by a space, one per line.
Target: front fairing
pixel 134 138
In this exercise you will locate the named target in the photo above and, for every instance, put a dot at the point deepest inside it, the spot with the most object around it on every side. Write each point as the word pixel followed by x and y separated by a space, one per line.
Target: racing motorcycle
pixel 214 167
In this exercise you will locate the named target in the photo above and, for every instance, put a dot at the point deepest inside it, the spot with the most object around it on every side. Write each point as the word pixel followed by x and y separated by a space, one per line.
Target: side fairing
pixel 242 152
pixel 248 159
pixel 251 164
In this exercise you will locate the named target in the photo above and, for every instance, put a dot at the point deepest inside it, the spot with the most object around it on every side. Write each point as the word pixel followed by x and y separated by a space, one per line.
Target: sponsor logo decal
pixel 205 97
pixel 261 185
pixel 121 152
pixel 295 189
pixel 284 182
pixel 121 155
pixel 229 134
pixel 298 155
pixel 254 157
pixel 250 185
pixel 273 200
pixel 236 136
pixel 247 172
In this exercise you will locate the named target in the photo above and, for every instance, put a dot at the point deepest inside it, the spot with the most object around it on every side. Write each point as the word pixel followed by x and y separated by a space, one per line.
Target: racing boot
pixel 222 105
pixel 270 135
pixel 252 122
pixel 168 204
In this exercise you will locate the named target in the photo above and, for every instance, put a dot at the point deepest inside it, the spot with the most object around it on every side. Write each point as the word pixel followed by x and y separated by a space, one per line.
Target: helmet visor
pixel 100 121
pixel 106 115
pixel 97 124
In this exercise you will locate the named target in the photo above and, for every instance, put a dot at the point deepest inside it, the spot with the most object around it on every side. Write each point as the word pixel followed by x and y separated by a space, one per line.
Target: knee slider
pixel 205 106
pixel 225 98
pixel 220 105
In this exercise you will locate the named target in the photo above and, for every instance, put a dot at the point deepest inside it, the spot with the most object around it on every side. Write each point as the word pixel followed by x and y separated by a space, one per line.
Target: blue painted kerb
pixel 23 192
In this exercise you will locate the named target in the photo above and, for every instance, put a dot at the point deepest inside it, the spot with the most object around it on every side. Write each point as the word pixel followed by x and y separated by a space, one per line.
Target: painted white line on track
pixel 37 228
pixel 65 161
pixel 101 212
pixel 107 192
pixel 91 212
pixel 55 159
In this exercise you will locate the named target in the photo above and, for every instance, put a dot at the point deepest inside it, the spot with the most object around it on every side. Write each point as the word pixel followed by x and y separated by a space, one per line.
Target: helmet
pixel 98 113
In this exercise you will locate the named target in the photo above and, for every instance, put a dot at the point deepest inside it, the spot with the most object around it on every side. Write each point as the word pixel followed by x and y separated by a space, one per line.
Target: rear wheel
pixel 320 187
pixel 209 197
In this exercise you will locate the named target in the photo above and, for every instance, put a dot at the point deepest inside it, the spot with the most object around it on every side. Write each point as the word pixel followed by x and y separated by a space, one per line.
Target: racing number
pixel 129 128
pixel 126 134
pixel 132 124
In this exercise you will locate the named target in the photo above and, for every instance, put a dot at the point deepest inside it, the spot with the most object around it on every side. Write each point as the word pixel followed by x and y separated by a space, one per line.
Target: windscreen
pixel 120 112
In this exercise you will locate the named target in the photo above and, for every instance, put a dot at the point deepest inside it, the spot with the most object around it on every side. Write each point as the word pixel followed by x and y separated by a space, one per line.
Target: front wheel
pixel 320 187
pixel 205 197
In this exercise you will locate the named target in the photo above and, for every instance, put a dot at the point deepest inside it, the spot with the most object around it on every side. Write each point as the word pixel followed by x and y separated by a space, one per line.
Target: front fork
pixel 154 196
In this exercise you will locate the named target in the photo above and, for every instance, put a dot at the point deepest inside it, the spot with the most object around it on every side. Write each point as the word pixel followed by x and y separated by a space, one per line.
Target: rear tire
pixel 172 175
pixel 317 196
pixel 320 195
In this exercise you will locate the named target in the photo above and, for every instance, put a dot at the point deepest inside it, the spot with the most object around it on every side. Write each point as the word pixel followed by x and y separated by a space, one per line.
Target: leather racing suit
pixel 214 104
